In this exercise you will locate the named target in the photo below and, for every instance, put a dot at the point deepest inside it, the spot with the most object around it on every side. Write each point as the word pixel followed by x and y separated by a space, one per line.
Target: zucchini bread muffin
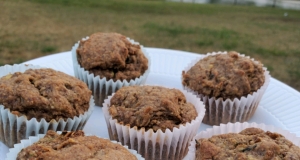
pixel 112 57
pixel 160 121
pixel 74 145
pixel 231 86
pixel 151 107
pixel 41 99
pixel 251 143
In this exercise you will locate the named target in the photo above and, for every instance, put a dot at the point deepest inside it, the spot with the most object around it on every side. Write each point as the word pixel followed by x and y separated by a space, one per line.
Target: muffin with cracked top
pixel 250 143
pixel 244 141
pixel 39 99
pixel 108 61
pixel 151 108
pixel 230 84
pixel 156 121
pixel 74 145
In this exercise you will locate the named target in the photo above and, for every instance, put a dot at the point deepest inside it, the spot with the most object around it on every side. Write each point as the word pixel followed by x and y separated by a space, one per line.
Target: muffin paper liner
pixel 13 128
pixel 13 152
pixel 101 87
pixel 237 110
pixel 236 128
pixel 156 145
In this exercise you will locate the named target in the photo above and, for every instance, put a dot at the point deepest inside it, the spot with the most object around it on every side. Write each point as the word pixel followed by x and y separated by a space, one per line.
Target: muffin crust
pixel 74 145
pixel 251 143
pixel 44 93
pixel 151 107
pixel 224 76
pixel 112 56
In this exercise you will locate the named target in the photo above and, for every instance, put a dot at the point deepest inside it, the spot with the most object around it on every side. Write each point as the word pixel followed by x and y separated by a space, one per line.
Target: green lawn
pixel 34 28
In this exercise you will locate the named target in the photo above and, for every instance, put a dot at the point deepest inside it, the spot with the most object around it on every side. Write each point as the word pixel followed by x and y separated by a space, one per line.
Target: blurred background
pixel 266 30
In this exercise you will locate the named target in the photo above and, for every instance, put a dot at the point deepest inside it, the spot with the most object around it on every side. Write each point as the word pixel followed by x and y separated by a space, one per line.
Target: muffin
pixel 71 145
pixel 230 84
pixel 109 61
pixel 156 121
pixel 34 100
pixel 244 141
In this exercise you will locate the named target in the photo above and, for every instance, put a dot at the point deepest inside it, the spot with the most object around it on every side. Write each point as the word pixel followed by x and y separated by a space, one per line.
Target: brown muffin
pixel 156 121
pixel 251 143
pixel 225 76
pixel 39 100
pixel 44 93
pixel 230 84
pixel 74 145
pixel 111 55
pixel 151 107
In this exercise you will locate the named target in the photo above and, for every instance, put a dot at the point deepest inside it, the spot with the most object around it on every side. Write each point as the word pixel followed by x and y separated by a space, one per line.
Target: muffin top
pixel 44 93
pixel 224 76
pixel 112 56
pixel 151 107
pixel 74 145
pixel 251 143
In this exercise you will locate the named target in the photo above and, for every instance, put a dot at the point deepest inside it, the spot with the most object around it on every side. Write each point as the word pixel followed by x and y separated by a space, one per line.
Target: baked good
pixel 151 107
pixel 155 117
pixel 74 145
pixel 225 76
pixel 251 143
pixel 43 98
pixel 240 140
pixel 231 85
pixel 44 94
pixel 112 57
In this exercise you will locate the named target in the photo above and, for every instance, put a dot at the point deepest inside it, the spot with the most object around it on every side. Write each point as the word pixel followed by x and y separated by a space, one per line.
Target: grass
pixel 34 28
pixel 48 49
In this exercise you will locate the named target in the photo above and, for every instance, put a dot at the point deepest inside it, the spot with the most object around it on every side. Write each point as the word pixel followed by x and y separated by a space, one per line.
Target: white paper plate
pixel 279 106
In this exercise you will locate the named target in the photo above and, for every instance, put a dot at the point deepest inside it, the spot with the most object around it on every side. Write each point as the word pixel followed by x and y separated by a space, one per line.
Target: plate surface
pixel 279 106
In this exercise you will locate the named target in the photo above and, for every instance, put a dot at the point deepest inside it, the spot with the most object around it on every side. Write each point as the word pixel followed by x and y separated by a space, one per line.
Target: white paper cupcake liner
pixel 13 152
pixel 156 145
pixel 101 87
pixel 237 110
pixel 236 128
pixel 14 128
